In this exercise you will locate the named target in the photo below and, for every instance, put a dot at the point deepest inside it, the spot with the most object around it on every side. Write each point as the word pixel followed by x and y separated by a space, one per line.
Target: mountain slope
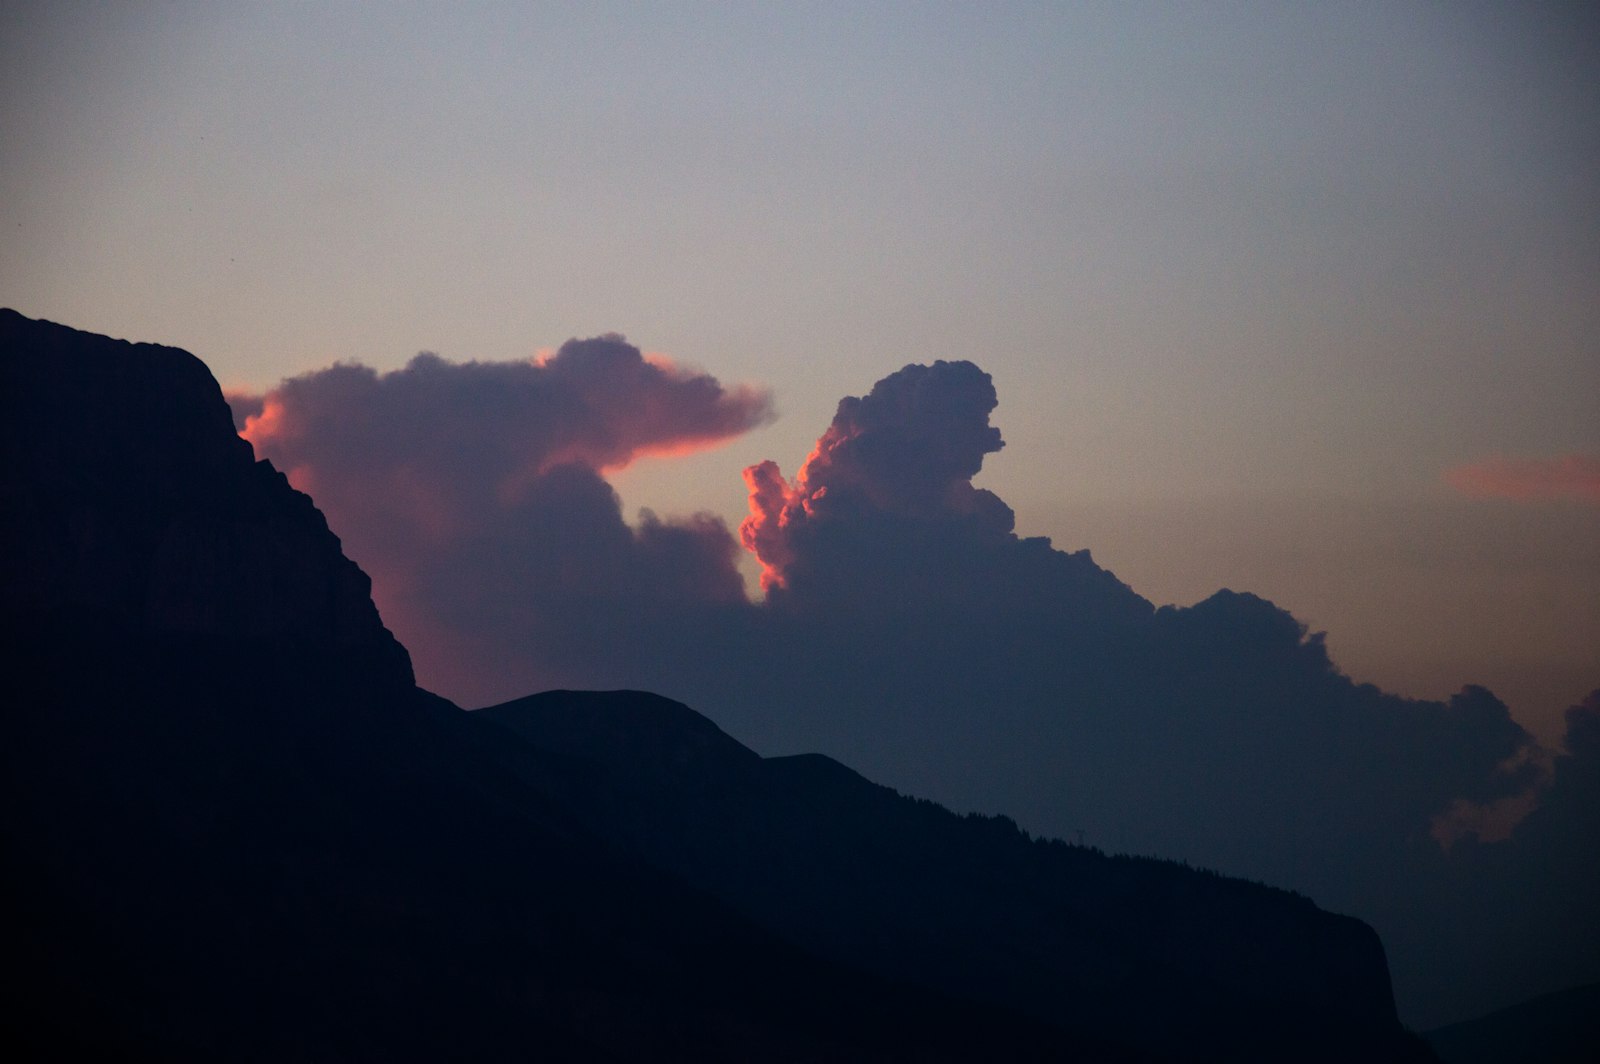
pixel 1559 1028
pixel 1181 962
pixel 233 827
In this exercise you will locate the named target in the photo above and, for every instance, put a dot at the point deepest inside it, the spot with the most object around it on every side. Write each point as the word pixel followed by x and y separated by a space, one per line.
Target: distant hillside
pixel 1559 1028
pixel 1179 961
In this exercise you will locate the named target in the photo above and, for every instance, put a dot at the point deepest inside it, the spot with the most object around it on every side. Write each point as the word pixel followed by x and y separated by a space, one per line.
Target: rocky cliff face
pixel 132 504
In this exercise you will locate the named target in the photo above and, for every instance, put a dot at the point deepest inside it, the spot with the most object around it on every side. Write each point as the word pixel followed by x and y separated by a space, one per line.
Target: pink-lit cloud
pixel 437 446
pixel 599 403
pixel 473 493
pixel 907 629
pixel 910 447
pixel 1571 476
pixel 898 593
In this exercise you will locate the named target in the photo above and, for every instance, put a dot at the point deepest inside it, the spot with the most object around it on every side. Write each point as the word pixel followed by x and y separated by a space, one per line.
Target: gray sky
pixel 1250 278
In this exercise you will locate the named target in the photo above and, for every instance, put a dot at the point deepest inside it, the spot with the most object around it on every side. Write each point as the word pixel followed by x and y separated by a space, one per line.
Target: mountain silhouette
pixel 235 828
pixel 1559 1028
pixel 969 905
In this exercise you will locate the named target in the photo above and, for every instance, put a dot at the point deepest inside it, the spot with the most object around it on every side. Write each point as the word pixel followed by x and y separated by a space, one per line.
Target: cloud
pixel 1572 476
pixel 473 494
pixel 244 405
pixel 1514 917
pixel 913 634
pixel 906 628
pixel 477 431
pixel 997 672
pixel 910 447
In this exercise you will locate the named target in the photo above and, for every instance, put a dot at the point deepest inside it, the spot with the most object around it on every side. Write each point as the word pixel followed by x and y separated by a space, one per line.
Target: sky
pixel 1297 300
pixel 1251 279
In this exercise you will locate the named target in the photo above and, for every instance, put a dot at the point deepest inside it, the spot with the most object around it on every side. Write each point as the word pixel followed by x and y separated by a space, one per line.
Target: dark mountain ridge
pixel 131 502
pixel 235 828
pixel 1559 1028
pixel 969 905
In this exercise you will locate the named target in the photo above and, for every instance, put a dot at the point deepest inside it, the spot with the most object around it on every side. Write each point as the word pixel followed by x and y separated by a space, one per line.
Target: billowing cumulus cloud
pixel 910 632
pixel 910 447
pixel 1516 915
pixel 1043 686
pixel 916 636
pixel 1572 476
pixel 481 431
pixel 473 494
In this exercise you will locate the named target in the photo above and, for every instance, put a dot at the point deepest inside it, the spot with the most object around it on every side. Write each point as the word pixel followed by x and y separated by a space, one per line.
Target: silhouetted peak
pixel 134 507
pixel 1553 1028
pixel 819 768
pixel 970 905
pixel 71 391
pixel 632 734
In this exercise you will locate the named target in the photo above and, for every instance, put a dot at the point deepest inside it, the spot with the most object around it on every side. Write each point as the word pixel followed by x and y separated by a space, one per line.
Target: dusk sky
pixel 1296 299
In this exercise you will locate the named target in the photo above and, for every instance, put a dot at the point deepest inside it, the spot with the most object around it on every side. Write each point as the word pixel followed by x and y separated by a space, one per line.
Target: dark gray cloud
pixel 999 673
pixel 910 632
pixel 1487 922
pixel 918 638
